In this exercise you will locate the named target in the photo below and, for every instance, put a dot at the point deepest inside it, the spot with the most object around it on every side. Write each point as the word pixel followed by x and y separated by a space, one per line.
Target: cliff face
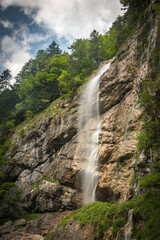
pixel 47 153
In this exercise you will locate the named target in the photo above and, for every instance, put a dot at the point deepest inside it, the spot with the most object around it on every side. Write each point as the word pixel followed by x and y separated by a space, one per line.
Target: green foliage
pixel 29 114
pixel 149 133
pixel 50 180
pixel 5 79
pixel 9 196
pixel 132 180
pixel 53 49
pixel 132 69
pixel 96 48
pixel 49 236
pixel 54 73
pixel 99 214
pixel 151 180
pixel 8 100
pixel 10 124
pixel 3 160
pixel 36 185
pixel 121 216
pixel 32 216
pixel 118 224
pixel 147 208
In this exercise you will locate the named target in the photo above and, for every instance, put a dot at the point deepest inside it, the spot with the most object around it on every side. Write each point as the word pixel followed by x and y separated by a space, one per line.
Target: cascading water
pixel 89 121
pixel 129 226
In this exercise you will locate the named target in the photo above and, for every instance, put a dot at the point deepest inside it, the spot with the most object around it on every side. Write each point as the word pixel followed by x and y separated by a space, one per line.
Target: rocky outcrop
pixel 49 163
pixel 34 229
pixel 75 231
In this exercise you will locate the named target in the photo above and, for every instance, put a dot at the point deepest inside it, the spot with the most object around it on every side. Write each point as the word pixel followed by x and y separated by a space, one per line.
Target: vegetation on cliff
pixel 53 74
pixel 146 202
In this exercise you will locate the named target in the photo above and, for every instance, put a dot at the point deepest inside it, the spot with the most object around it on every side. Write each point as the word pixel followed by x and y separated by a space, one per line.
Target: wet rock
pixel 141 163
pixel 104 194
pixel 130 193
pixel 52 148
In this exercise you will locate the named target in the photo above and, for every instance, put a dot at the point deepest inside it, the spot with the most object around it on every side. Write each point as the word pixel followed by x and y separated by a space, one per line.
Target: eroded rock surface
pixel 33 230
pixel 49 147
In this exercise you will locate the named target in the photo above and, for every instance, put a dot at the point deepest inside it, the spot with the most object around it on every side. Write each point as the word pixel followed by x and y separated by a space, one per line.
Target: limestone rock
pixel 34 230
pixel 21 222
pixel 55 148
pixel 6 228
pixel 75 231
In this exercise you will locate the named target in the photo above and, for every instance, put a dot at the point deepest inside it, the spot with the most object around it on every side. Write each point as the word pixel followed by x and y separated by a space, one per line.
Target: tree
pixel 139 4
pixel 95 47
pixel 5 79
pixel 53 49
pixel 8 100
pixel 80 62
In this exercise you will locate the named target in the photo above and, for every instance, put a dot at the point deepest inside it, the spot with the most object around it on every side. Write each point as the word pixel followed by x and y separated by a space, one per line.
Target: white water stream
pixel 89 120
pixel 129 226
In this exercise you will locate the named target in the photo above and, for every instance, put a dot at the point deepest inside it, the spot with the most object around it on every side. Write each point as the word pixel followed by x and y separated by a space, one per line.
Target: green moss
pixel 17 228
pixel 73 105
pixel 59 111
pixel 132 179
pixel 49 236
pixel 50 180
pixel 99 214
pixel 151 180
pixel 37 184
pixel 30 217
pixel 132 69
pixel 121 216
pixel 32 120
pixel 143 36
pixel 156 7
pixel 3 159
pixel 118 224
pixel 146 210
pixel 22 133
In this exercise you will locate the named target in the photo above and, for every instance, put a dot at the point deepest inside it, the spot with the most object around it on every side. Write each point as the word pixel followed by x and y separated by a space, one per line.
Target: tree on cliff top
pixel 5 79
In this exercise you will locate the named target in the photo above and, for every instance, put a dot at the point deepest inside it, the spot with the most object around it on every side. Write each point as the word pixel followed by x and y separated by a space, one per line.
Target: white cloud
pixel 6 24
pixel 70 19
pixel 15 49
pixel 67 19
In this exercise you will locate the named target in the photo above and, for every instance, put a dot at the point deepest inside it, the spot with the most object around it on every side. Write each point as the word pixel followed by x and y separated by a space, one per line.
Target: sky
pixel 27 26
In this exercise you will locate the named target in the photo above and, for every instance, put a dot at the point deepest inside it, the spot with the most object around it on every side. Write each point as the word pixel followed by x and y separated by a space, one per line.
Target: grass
pixel 32 216
pixel 50 236
pixel 56 107
pixel 99 214
pixel 146 210
pixel 37 184
pixel 50 180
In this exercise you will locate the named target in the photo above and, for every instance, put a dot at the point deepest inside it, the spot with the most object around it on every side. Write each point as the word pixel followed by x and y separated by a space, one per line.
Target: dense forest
pixel 55 73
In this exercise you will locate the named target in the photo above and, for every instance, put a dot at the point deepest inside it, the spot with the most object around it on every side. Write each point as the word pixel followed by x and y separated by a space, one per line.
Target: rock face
pixel 51 149
pixel 48 147
pixel 34 230
pixel 75 231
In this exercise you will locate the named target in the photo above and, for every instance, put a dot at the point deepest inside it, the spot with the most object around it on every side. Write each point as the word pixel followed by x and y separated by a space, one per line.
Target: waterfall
pixel 89 124
pixel 129 226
